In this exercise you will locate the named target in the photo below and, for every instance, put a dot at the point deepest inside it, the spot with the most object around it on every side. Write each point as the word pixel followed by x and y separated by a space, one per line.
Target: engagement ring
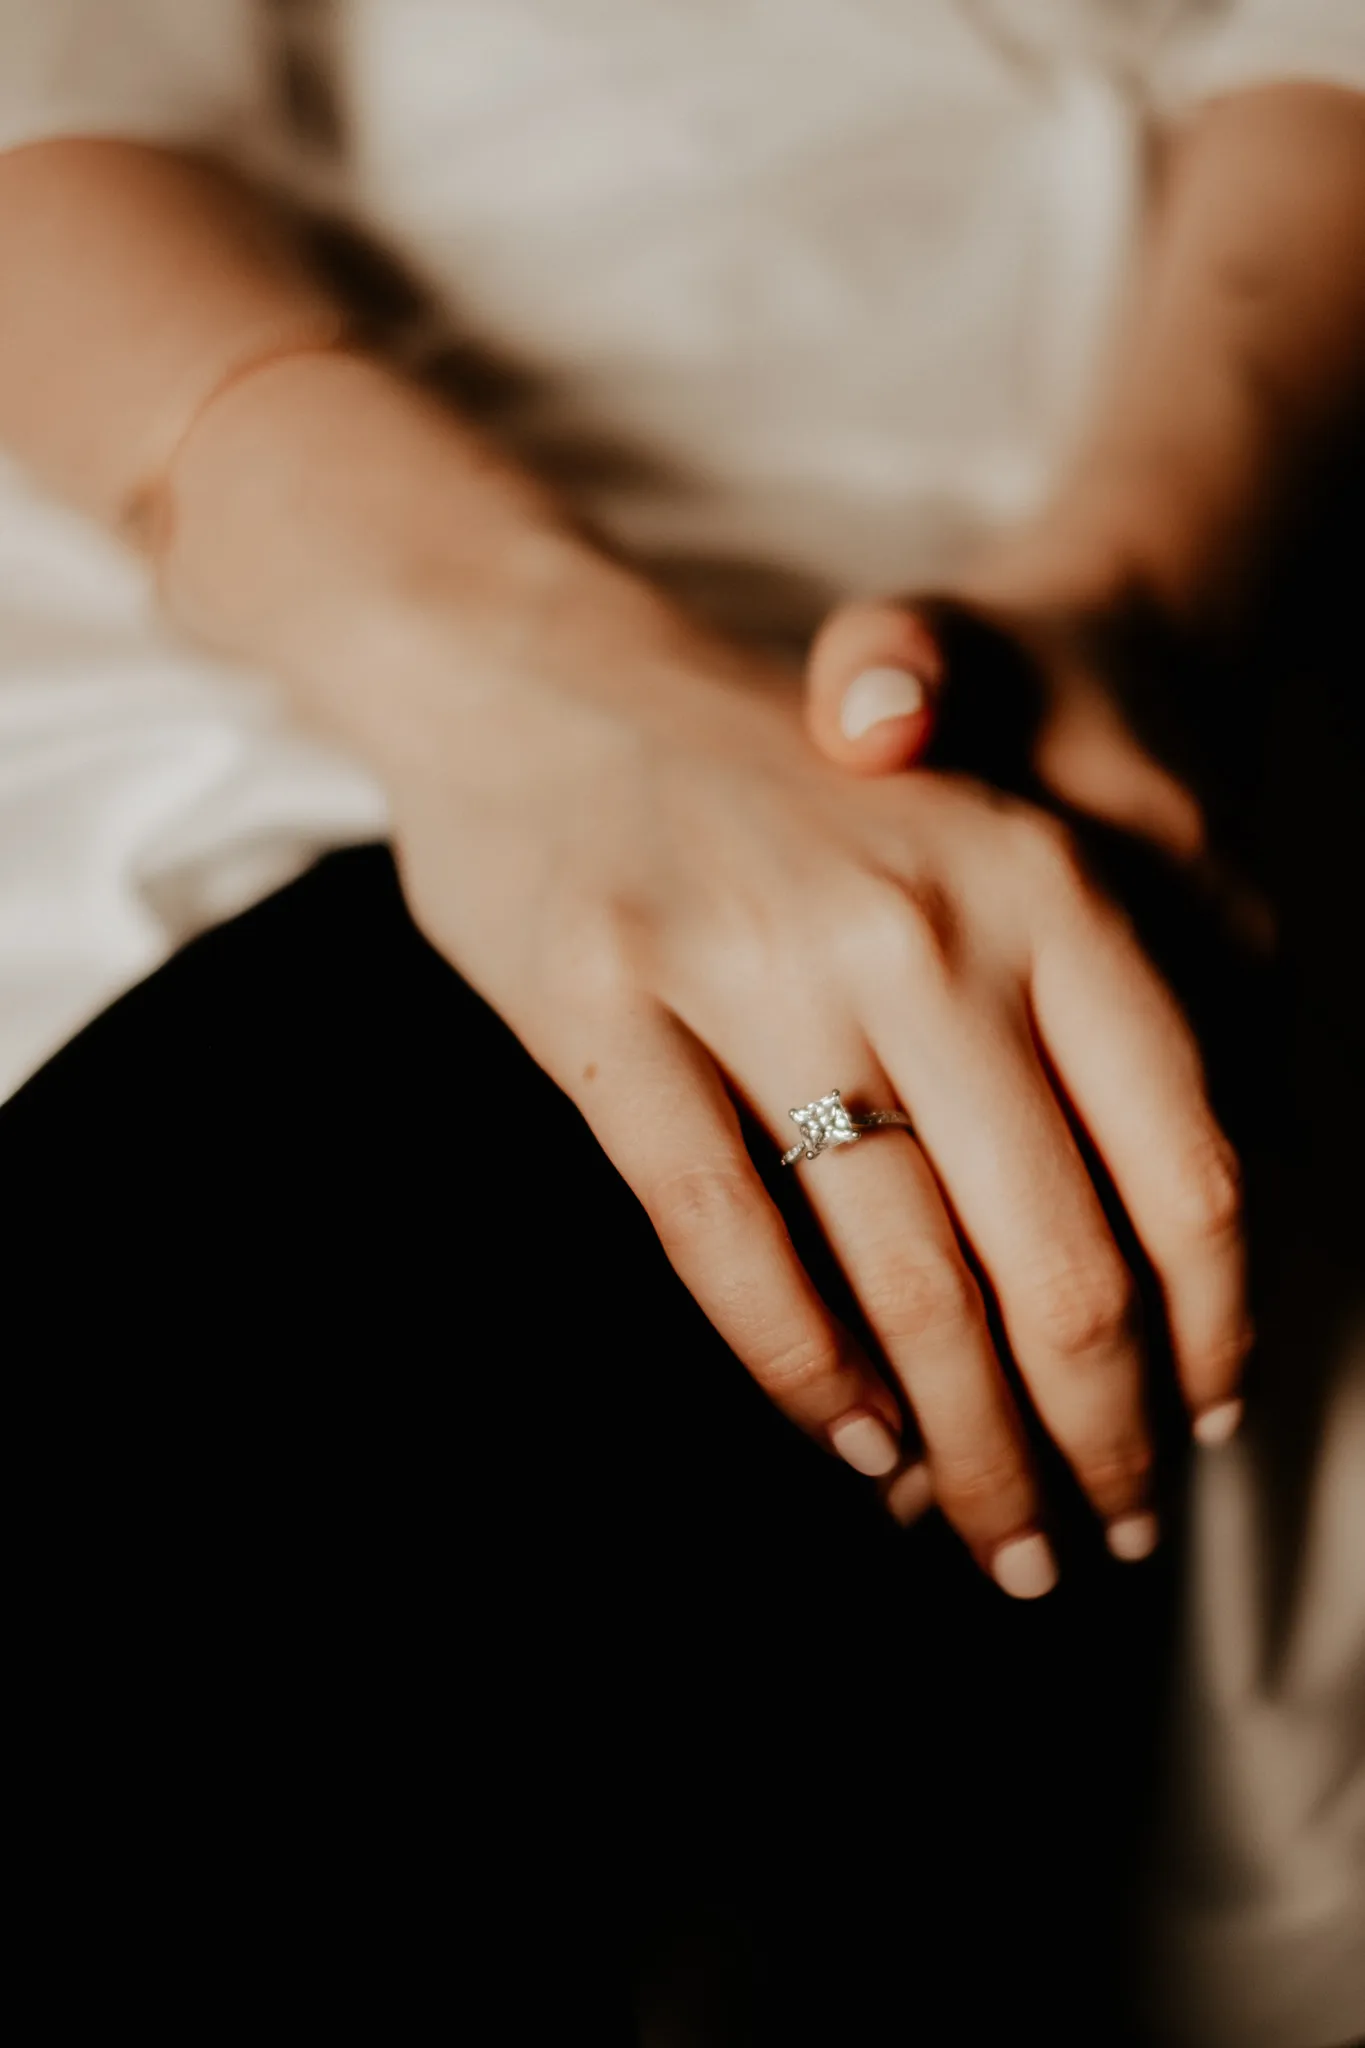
pixel 827 1122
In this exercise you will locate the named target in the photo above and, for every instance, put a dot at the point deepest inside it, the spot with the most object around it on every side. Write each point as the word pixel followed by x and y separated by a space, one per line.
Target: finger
pixel 878 670
pixel 873 672
pixel 1002 1150
pixel 1087 756
pixel 1130 1066
pixel 882 1213
pixel 660 1111
pixel 908 1494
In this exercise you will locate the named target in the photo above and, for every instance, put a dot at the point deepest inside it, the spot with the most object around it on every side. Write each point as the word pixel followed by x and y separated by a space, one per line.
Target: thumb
pixel 874 671
pixel 887 681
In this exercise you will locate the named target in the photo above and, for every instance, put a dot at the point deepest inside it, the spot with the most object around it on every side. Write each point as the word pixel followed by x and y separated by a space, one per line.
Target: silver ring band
pixel 827 1123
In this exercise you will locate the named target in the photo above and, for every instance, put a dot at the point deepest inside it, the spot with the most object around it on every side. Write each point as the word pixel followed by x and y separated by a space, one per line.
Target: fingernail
pixel 1133 1537
pixel 1026 1568
pixel 1218 1424
pixel 865 1443
pixel 876 695
pixel 910 1493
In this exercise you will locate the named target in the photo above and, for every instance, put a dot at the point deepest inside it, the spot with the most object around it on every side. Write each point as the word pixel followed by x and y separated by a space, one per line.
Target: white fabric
pixel 1259 1913
pixel 183 71
pixel 805 298
pixel 145 792
pixel 1242 43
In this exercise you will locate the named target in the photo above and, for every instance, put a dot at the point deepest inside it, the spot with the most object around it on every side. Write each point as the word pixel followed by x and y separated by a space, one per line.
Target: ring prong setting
pixel 822 1124
pixel 826 1123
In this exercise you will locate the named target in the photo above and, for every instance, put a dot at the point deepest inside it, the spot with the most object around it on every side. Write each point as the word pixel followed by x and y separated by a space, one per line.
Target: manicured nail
pixel 910 1493
pixel 1132 1537
pixel 1218 1424
pixel 864 1442
pixel 876 695
pixel 1026 1568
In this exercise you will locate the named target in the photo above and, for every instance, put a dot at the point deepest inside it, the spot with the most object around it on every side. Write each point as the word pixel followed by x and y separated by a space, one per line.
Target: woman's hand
pixel 1056 671
pixel 617 832
pixel 1021 676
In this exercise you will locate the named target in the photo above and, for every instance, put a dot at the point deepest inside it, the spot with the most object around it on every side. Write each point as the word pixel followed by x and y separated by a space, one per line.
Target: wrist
pixel 334 525
pixel 423 600
pixel 447 675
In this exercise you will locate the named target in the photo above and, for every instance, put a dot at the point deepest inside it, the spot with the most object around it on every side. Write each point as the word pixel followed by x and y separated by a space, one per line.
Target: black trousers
pixel 428 1631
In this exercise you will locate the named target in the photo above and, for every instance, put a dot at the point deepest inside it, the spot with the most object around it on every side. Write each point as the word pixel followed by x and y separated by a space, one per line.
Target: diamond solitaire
pixel 826 1123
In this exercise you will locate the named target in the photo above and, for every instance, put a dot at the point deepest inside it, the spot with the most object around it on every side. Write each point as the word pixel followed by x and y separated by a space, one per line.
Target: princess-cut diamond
pixel 824 1123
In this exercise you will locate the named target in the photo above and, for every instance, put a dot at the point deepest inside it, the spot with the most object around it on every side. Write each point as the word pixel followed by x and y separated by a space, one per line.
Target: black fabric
pixel 429 1631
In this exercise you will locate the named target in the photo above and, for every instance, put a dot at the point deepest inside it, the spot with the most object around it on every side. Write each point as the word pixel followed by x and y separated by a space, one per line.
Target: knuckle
pixel 906 932
pixel 1081 1309
pixel 984 1489
pixel 1051 851
pixel 931 922
pixel 911 1298
pixel 588 970
pixel 739 951
pixel 1118 1473
pixel 1220 1362
pixel 1209 1189
pixel 793 1366
pixel 697 1202
pixel 1057 875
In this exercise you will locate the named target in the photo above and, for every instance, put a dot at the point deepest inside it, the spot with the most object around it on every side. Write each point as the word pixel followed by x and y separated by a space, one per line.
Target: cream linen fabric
pixel 798 297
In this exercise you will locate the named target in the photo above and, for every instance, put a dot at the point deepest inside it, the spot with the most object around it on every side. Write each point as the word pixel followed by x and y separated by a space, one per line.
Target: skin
pixel 613 824
pixel 1238 378
pixel 1240 374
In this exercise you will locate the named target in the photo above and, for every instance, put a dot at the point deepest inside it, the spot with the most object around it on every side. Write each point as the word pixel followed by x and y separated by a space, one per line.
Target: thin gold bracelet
pixel 145 515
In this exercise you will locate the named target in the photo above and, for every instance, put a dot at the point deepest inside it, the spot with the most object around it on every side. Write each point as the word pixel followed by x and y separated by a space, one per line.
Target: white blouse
pixel 799 298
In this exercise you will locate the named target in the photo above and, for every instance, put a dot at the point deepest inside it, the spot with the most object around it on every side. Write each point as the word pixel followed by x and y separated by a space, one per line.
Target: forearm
pixel 1240 361
pixel 319 509
pixel 338 527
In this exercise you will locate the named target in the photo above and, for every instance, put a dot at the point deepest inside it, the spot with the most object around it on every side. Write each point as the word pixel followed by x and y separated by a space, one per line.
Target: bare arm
pixel 1237 383
pixel 321 508
pixel 653 878
pixel 1241 362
